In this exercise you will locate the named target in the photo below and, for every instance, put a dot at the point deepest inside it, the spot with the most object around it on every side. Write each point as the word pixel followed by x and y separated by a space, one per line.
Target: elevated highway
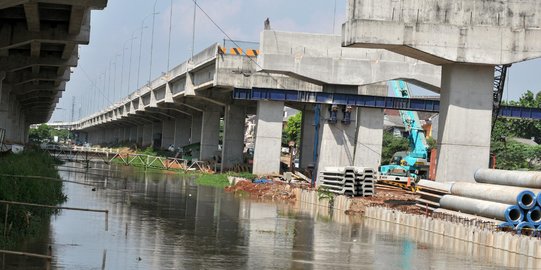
pixel 39 41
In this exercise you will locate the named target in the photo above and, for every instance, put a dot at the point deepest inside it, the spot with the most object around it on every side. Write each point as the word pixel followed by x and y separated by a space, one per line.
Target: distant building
pixel 392 122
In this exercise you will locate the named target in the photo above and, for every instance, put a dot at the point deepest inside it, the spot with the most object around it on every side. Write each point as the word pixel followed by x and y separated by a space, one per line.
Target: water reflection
pixel 165 221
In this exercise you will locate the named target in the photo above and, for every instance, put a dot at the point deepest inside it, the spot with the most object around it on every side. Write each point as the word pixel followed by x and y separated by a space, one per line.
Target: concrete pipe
pixel 509 178
pixel 499 211
pixel 526 199
pixel 495 193
pixel 525 227
pixel 538 198
pixel 514 214
pixel 446 187
pixel 534 216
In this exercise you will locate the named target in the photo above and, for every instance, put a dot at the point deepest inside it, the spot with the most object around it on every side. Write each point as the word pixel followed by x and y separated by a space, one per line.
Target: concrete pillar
pixel 268 139
pixel 4 107
pixel 157 135
pixel 233 141
pixel 307 139
pixel 183 127
pixel 126 135
pixel 168 133
pixel 147 136
pixel 197 121
pixel 464 123
pixel 133 134
pixel 210 134
pixel 337 143
pixel 140 134
pixel 369 138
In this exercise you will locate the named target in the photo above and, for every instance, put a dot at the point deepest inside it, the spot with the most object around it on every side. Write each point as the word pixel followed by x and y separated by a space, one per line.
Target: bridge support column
pixel 308 134
pixel 126 134
pixel 337 143
pixel 4 106
pixel 268 139
pixel 233 142
pixel 157 134
pixel 465 120
pixel 210 134
pixel 147 136
pixel 132 136
pixel 369 138
pixel 197 121
pixel 182 131
pixel 168 133
pixel 139 136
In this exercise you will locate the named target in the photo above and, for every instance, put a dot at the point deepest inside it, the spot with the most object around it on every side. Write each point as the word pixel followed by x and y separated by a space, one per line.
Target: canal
pixel 165 221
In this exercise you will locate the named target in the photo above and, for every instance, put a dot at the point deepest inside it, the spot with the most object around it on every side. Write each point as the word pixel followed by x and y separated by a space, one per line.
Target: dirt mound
pixel 273 191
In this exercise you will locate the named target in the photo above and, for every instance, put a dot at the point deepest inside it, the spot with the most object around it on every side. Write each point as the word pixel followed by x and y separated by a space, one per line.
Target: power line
pixel 233 41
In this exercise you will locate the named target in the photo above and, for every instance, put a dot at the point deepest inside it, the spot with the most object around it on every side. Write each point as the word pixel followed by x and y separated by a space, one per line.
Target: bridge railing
pixel 108 155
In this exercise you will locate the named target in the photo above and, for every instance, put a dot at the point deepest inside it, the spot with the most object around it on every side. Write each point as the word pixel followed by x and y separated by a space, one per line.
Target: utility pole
pixel 170 27
pixel 152 41
pixel 193 28
pixel 72 108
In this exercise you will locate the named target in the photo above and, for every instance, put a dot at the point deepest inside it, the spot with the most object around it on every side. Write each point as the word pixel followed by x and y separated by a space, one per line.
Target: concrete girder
pixel 27 77
pixel 26 89
pixel 14 63
pixel 77 16
pixel 320 59
pixel 31 11
pixel 171 106
pixel 446 31
pixel 158 111
pixel 92 4
pixel 147 115
pixel 20 36
pixel 35 48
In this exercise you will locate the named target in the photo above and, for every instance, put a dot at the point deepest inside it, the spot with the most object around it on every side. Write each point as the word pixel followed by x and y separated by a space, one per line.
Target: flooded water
pixel 166 221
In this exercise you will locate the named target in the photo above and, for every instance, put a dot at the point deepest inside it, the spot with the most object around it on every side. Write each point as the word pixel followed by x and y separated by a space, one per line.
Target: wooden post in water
pixel 63 207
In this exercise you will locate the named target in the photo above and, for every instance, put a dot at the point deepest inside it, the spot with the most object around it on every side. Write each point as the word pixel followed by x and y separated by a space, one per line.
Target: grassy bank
pixel 24 221
pixel 219 180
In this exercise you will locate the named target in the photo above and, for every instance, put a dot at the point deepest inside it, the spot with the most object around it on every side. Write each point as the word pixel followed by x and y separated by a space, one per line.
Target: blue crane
pixel 414 163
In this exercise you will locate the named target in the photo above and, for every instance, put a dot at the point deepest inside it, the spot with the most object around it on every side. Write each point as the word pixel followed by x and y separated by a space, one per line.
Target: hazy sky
pixel 111 46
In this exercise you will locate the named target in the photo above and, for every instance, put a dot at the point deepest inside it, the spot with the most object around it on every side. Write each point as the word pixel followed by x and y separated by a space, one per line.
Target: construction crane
pixel 412 165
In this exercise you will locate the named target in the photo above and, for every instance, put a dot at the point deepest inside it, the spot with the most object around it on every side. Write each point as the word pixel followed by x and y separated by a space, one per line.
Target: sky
pixel 104 73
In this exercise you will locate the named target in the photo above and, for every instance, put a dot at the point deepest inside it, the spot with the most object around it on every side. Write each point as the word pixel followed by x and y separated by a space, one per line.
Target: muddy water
pixel 166 221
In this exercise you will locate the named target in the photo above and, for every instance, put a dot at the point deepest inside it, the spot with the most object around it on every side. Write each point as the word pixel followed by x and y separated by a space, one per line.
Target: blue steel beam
pixel 382 102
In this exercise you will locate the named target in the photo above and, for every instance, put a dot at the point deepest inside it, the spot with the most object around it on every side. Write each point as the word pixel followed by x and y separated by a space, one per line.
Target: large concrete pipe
pixel 525 227
pixel 499 211
pixel 509 178
pixel 534 216
pixel 496 193
pixel 467 216
pixel 436 185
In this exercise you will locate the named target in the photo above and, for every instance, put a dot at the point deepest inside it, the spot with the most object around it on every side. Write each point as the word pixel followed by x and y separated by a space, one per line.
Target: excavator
pixel 408 167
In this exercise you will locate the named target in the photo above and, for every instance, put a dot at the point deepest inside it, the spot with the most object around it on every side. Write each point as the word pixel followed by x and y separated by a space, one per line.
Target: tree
pixel 391 145
pixel 42 132
pixel 62 134
pixel 292 131
pixel 511 155
pixel 524 128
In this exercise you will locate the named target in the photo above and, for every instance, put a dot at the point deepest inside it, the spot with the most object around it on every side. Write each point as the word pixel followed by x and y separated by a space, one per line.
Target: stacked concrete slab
pixel 350 181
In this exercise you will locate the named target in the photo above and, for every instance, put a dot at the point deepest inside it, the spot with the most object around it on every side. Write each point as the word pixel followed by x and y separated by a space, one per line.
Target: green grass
pixel 24 220
pixel 219 180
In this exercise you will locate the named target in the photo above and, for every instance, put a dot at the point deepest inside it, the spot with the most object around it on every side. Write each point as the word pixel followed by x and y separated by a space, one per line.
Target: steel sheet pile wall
pixel 350 181
pixel 482 238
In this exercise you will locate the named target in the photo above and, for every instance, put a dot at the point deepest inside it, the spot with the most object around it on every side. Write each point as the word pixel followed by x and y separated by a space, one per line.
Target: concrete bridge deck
pixel 39 43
